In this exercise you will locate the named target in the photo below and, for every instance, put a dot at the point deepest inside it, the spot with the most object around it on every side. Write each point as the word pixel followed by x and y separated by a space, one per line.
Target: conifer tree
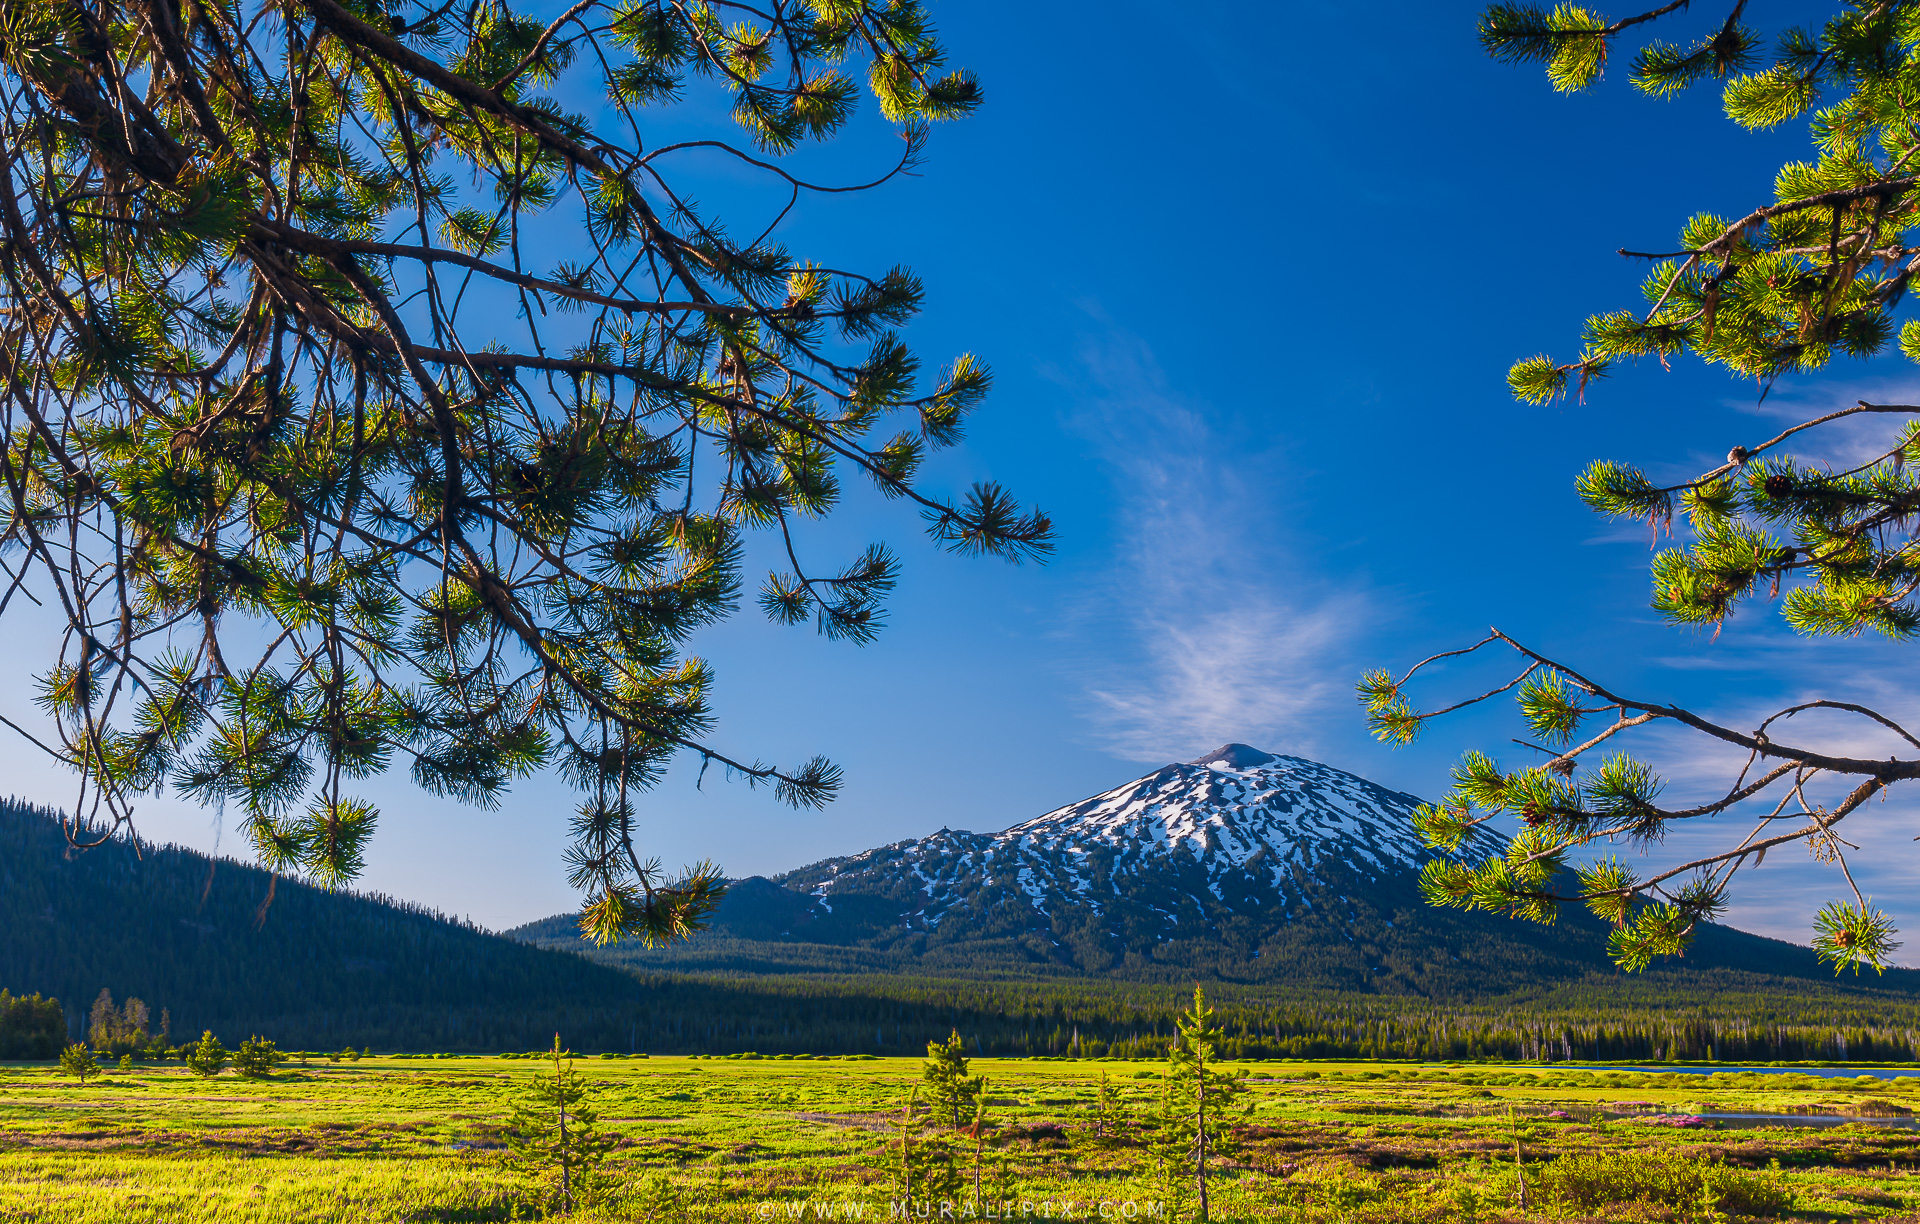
pixel 78 1061
pixel 379 397
pixel 207 1057
pixel 554 1135
pixel 257 1057
pixel 1817 272
pixel 1197 1100
pixel 951 1092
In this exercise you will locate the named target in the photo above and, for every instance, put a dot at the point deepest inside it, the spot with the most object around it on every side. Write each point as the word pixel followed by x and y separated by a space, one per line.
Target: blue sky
pixel 1249 284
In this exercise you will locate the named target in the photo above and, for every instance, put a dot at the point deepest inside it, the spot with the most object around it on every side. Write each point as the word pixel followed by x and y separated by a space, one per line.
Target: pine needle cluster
pixel 1818 271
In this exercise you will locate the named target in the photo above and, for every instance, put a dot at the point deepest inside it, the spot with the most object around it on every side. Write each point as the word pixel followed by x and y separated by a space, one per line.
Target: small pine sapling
pixel 77 1060
pixel 1200 1092
pixel 554 1136
pixel 951 1092
pixel 207 1056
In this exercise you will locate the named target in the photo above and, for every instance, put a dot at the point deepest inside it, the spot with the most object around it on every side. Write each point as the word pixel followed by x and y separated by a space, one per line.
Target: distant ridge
pixel 1243 865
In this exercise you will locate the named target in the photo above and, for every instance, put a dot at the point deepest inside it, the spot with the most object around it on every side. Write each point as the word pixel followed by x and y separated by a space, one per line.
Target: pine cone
pixel 1778 485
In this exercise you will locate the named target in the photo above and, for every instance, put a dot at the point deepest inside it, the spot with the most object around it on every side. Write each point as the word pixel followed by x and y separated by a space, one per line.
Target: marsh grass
pixel 419 1141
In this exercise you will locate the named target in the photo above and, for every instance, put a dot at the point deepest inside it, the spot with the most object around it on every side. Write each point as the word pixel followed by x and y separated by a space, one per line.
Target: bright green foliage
pixel 953 1094
pixel 257 1057
pixel 1817 272
pixel 1197 1100
pixel 207 1056
pixel 554 1136
pixel 336 464
pixel 77 1061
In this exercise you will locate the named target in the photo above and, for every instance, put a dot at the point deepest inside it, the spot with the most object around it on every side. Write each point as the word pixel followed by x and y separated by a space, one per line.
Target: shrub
pixel 1692 1188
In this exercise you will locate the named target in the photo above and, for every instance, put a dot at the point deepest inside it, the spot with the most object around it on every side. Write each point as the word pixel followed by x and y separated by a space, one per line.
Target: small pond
pixel 1735 1068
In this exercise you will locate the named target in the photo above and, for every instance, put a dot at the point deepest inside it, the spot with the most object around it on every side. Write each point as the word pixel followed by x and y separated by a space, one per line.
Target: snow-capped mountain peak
pixel 1237 823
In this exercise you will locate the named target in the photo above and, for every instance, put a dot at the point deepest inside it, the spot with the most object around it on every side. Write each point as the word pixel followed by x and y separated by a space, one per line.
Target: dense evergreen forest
pixel 195 939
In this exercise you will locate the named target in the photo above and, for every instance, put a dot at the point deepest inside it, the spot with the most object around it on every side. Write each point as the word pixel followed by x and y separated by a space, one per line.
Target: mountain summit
pixel 1243 865
pixel 1237 829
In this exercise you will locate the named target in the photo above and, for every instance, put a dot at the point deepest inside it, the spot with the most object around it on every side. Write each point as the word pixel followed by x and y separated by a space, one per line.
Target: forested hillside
pixel 195 935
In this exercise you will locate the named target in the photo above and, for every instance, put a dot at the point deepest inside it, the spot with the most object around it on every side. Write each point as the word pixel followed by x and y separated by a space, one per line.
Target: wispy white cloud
pixel 1224 634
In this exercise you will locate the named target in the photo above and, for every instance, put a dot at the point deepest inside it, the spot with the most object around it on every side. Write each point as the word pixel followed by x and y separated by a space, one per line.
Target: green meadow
pixel 417 1139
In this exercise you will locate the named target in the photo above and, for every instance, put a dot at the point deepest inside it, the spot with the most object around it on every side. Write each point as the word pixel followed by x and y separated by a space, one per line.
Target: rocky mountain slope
pixel 1242 865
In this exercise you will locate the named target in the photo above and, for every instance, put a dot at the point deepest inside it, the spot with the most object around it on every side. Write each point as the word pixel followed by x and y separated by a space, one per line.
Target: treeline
pixel 898 1016
pixel 30 1026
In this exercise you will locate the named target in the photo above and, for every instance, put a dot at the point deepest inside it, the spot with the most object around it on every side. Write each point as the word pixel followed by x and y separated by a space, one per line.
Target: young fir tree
pixel 1816 271
pixel 207 1056
pixel 78 1061
pixel 333 462
pixel 257 1057
pixel 553 1135
pixel 1197 1101
pixel 951 1092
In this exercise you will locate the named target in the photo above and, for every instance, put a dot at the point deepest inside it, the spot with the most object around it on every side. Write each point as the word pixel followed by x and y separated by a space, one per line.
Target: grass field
pixel 417 1140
